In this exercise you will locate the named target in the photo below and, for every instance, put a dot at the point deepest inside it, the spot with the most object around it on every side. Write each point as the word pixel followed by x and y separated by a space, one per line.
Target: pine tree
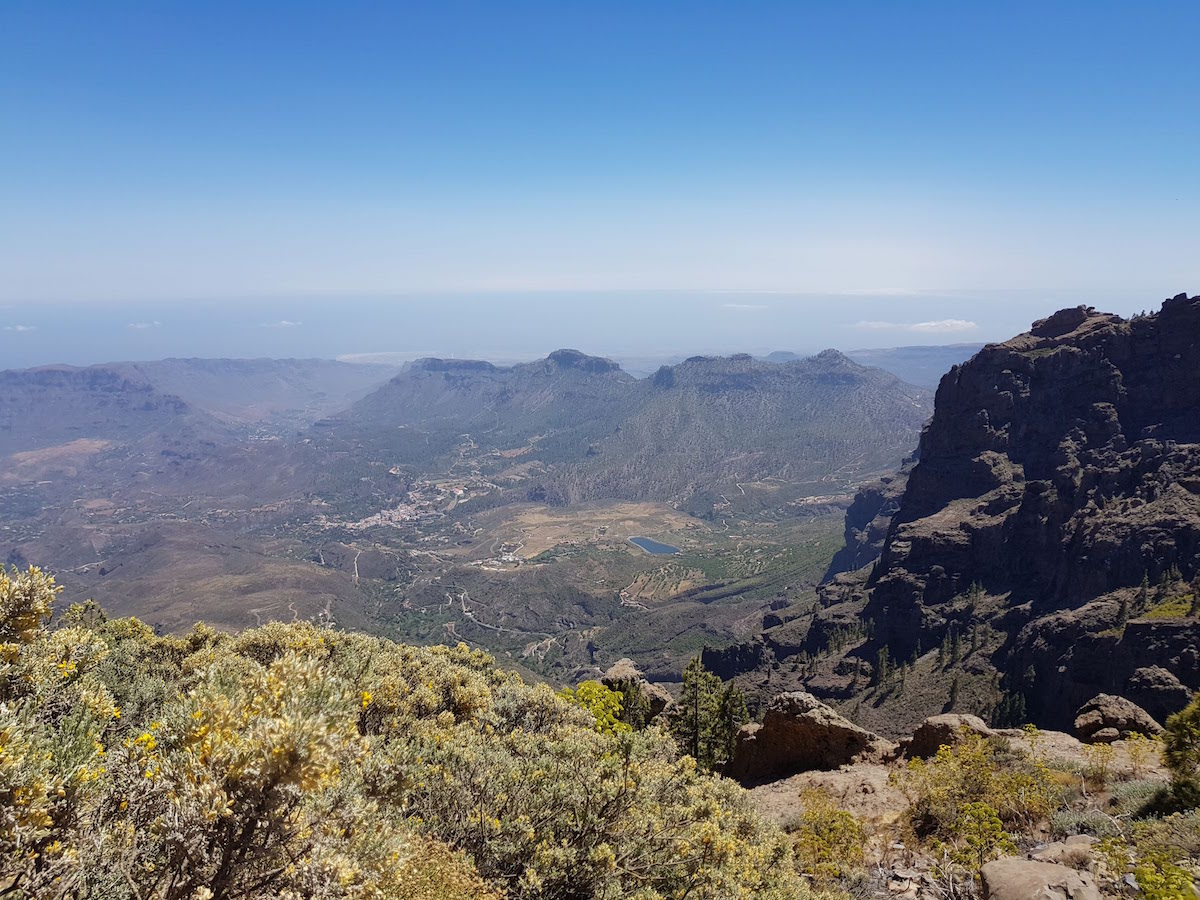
pixel 1143 597
pixel 732 715
pixel 708 716
pixel 955 646
pixel 883 667
pixel 695 710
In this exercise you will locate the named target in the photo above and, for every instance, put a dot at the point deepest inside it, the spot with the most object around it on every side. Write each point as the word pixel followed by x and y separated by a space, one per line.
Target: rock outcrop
pixel 1073 851
pixel 1059 470
pixel 623 676
pixel 1025 879
pixel 947 729
pixel 1106 718
pixel 799 733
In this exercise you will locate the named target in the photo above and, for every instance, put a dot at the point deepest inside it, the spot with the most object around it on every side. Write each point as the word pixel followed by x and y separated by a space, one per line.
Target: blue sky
pixel 855 163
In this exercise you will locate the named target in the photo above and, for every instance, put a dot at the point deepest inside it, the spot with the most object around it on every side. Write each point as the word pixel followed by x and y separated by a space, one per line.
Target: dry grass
pixel 61 460
pixel 537 529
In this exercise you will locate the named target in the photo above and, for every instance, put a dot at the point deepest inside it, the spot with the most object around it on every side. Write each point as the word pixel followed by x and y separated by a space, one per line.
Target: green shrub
pixel 1181 747
pixel 1021 790
pixel 1098 763
pixel 1163 855
pixel 1138 798
pixel 829 841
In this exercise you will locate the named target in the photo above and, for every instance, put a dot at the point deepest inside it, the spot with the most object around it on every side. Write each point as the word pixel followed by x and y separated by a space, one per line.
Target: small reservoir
pixel 653 547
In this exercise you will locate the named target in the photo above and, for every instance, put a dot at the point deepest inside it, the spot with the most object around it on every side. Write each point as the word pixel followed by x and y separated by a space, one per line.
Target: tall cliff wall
pixel 1059 470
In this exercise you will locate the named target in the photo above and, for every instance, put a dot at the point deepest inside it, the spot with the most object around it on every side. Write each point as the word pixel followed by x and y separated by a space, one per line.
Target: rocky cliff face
pixel 1060 470
pixel 867 521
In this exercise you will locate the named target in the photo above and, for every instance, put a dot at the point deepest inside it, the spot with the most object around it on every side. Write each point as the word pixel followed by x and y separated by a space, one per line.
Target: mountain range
pixel 302 488
pixel 692 430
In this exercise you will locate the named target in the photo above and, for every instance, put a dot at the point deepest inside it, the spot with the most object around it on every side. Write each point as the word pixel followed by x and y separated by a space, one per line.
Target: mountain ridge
pixel 712 420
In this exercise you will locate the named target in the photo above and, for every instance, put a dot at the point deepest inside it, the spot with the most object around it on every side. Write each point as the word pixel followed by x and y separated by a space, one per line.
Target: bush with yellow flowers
pixel 1020 788
pixel 829 842
pixel 293 761
pixel 969 802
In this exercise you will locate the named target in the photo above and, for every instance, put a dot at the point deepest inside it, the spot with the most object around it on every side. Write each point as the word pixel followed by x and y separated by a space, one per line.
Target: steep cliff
pixel 867 521
pixel 1060 473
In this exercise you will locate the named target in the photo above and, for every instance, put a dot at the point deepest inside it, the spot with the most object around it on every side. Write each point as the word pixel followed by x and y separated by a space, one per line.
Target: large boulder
pixel 799 733
pixel 623 674
pixel 1107 718
pixel 1026 879
pixel 947 729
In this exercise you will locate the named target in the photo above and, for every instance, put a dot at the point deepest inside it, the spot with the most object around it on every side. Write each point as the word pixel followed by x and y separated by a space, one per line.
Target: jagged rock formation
pixel 1106 718
pixel 800 733
pixel 1060 469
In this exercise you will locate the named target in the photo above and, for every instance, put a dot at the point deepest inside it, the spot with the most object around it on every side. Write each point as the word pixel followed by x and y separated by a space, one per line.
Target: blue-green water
pixel 658 549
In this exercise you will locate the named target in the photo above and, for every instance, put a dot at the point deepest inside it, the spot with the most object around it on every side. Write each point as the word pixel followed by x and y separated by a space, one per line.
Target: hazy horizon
pixel 621 325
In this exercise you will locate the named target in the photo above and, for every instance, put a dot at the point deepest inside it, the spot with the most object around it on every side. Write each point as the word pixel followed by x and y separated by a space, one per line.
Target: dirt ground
pixel 540 528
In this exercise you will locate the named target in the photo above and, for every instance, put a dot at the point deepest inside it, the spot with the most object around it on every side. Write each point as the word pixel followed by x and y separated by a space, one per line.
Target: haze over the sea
pixel 511 327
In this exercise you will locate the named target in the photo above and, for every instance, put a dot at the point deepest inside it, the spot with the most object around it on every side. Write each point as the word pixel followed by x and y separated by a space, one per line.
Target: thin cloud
pixel 744 306
pixel 142 326
pixel 879 292
pixel 938 326
pixel 282 323
pixel 20 328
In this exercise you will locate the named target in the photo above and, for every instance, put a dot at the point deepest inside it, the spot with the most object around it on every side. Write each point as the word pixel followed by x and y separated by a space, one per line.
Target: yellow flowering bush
pixel 293 761
pixel 602 702
pixel 1021 790
pixel 829 841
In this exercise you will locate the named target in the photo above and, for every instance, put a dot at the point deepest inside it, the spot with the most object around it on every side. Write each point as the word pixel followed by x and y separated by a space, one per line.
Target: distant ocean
pixel 514 326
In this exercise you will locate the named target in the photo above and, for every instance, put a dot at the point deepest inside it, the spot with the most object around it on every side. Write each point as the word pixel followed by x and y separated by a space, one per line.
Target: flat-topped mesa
pixel 109 379
pixel 743 372
pixel 1060 466
pixel 574 359
pixel 435 364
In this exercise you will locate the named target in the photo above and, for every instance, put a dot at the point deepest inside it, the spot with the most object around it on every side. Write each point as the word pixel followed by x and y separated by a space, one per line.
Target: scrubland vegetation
pixel 982 798
pixel 293 761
